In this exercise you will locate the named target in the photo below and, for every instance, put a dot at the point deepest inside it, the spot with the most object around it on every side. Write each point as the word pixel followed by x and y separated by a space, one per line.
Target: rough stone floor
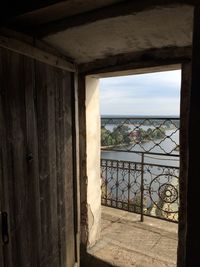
pixel 127 242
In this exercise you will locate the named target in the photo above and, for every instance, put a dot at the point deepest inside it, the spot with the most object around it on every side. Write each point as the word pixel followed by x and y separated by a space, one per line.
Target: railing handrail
pixel 139 162
pixel 141 152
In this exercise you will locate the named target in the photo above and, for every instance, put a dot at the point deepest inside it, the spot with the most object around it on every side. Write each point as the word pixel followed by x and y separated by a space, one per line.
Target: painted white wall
pixel 93 159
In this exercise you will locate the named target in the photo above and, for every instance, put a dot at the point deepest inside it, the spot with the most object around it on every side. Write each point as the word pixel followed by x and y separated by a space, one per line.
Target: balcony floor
pixel 126 242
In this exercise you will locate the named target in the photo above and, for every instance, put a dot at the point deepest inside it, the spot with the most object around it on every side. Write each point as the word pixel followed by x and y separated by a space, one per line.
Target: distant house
pixel 135 135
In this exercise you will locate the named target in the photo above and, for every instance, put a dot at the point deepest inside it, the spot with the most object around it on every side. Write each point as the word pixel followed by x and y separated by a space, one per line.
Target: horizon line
pixel 139 116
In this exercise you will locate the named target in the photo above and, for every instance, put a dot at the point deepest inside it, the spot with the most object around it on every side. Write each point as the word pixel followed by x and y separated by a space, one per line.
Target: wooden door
pixel 36 164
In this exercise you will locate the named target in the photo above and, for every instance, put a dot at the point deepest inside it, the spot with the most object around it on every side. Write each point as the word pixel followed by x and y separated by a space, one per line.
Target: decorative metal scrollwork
pixel 122 188
pixel 166 192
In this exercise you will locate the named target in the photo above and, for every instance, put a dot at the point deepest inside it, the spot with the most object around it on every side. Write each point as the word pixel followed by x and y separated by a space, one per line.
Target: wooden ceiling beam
pixel 139 60
pixel 11 9
pixel 36 53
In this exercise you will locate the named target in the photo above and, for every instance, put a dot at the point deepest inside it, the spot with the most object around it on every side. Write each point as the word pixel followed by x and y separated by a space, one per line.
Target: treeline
pixel 123 135
pixel 168 123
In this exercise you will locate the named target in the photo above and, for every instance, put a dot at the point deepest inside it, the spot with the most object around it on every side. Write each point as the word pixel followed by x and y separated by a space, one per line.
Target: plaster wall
pixel 93 159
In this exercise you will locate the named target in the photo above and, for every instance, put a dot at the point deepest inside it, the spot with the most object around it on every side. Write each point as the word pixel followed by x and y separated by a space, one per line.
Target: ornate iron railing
pixel 148 182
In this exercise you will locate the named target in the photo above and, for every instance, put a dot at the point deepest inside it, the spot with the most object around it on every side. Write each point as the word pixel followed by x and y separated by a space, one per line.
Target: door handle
pixel 4 227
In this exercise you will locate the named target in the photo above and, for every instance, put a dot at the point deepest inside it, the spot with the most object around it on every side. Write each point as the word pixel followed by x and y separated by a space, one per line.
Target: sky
pixel 145 94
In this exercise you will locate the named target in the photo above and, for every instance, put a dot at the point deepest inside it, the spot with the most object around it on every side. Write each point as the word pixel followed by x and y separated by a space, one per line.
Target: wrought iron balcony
pixel 140 165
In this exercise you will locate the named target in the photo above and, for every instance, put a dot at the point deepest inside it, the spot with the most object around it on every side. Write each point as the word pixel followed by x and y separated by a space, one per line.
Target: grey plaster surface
pixel 160 27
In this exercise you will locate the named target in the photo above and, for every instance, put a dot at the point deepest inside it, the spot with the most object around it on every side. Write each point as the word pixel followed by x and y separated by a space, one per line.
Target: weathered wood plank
pixel 5 162
pixel 18 180
pixel 68 168
pixel 14 111
pixel 51 85
pixel 65 169
pixel 32 162
pixel 60 178
pixel 44 163
pixel 35 53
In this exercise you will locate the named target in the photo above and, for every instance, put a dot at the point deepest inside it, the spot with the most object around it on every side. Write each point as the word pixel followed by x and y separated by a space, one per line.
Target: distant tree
pixel 158 133
pixel 121 135
pixel 144 135
pixel 106 137
pixel 152 134
pixel 149 131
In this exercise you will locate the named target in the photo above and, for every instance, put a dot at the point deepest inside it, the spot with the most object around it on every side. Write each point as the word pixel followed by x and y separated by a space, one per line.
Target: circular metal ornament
pixel 163 192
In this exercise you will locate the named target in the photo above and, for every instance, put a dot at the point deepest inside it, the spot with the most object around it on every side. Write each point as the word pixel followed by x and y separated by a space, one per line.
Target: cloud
pixel 161 106
pixel 170 77
pixel 147 94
